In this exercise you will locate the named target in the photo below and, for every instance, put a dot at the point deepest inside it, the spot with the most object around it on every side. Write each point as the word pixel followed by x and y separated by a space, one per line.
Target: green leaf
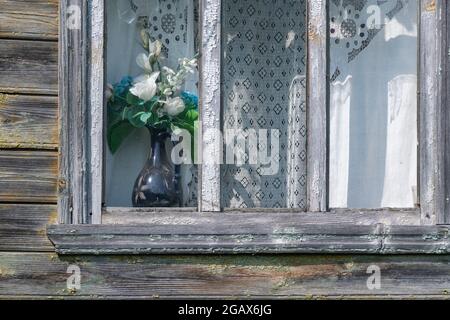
pixel 133 119
pixel 146 116
pixel 150 104
pixel 133 100
pixel 117 133
pixel 191 116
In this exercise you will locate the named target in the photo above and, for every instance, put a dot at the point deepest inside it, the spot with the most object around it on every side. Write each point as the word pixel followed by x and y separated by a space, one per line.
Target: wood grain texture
pixel 445 217
pixel 42 275
pixel 74 191
pixel 29 19
pixel 27 176
pixel 431 134
pixel 268 217
pixel 23 227
pixel 317 166
pixel 97 103
pixel 28 67
pixel 28 122
pixel 277 235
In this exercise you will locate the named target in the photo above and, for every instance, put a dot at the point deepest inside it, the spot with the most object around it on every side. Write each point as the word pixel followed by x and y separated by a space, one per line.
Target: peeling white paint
pixel 210 106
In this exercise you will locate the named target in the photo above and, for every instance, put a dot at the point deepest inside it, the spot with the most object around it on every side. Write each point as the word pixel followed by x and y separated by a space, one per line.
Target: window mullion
pixel 73 185
pixel 431 138
pixel 97 108
pixel 317 169
pixel 210 101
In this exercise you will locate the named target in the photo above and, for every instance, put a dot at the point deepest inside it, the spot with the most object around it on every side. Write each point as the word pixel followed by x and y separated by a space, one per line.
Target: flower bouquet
pixel 156 101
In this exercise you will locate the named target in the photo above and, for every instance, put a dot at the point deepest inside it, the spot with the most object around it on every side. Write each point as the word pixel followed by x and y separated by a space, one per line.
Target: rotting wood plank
pixel 28 176
pixel 282 276
pixel 29 67
pixel 23 227
pixel 29 19
pixel 28 122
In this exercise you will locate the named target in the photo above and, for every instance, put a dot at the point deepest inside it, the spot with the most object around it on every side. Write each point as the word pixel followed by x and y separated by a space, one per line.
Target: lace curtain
pixel 264 87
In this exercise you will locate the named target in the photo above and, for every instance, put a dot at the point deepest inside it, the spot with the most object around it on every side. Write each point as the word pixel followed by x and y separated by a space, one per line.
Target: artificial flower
pixel 188 64
pixel 190 99
pixel 145 38
pixel 147 88
pixel 155 49
pixel 167 92
pixel 124 84
pixel 143 61
pixel 174 106
pixel 109 93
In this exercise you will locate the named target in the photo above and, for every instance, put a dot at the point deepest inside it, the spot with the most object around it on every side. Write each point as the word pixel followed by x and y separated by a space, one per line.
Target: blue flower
pixel 123 86
pixel 190 99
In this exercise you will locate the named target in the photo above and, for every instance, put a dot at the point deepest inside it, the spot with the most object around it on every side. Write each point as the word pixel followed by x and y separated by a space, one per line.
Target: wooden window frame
pixel 85 227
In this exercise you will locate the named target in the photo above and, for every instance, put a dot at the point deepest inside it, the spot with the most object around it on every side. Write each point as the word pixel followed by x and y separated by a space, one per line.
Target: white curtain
pixel 174 23
pixel 373 103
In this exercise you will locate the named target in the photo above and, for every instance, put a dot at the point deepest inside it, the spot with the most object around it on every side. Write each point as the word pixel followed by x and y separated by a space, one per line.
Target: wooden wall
pixel 28 167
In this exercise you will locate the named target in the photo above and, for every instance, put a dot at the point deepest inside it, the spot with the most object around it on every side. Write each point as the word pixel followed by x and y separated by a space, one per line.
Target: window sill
pixel 252 233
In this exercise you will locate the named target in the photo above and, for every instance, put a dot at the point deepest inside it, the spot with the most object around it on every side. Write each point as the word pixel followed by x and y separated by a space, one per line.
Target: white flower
pixel 143 61
pixel 145 38
pixel 109 91
pixel 188 64
pixel 155 49
pixel 167 92
pixel 174 106
pixel 168 71
pixel 147 88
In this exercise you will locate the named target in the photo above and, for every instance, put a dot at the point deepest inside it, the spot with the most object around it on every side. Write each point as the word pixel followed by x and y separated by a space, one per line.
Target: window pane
pixel 373 103
pixel 264 102
pixel 175 24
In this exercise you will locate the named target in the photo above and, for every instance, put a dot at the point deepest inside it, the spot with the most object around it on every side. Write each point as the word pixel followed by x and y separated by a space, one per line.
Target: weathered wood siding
pixel 28 125
pixel 29 19
pixel 28 121
pixel 44 275
pixel 28 185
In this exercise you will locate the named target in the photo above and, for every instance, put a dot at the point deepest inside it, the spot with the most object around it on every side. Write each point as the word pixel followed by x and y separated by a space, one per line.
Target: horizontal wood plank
pixel 262 217
pixel 270 233
pixel 29 19
pixel 23 227
pixel 282 276
pixel 28 176
pixel 29 67
pixel 28 122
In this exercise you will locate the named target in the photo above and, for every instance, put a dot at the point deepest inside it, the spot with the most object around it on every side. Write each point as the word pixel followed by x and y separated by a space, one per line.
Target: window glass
pixel 175 24
pixel 264 103
pixel 373 103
